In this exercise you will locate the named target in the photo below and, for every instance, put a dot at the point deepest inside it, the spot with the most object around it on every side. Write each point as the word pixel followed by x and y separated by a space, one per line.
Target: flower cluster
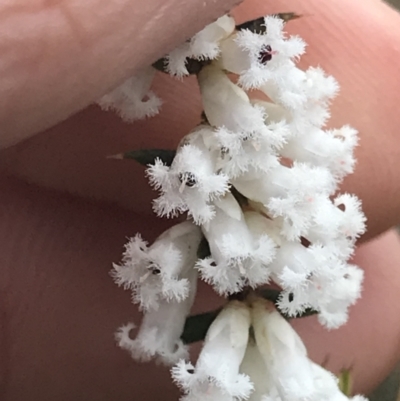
pixel 258 180
pixel 163 283
pixel 268 363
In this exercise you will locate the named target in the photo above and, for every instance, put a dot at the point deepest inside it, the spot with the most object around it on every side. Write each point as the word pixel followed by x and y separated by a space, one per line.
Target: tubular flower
pixel 162 271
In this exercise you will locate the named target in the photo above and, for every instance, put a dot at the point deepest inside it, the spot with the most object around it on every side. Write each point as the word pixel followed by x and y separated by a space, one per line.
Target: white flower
pixel 325 149
pixel 329 385
pixel 159 334
pixel 253 365
pixel 291 375
pixel 290 193
pixel 190 184
pixel 305 116
pixel 239 153
pixel 306 94
pixel 204 45
pixel 258 58
pixel 161 271
pixel 338 295
pixel 176 60
pixel 133 99
pixel 228 106
pixel 278 364
pixel 216 374
pixel 283 352
pixel 299 182
pixel 238 256
pixel 293 265
pixel 352 223
pixel 330 288
pixel 230 245
pixel 264 252
pixel 337 224
pixel 274 112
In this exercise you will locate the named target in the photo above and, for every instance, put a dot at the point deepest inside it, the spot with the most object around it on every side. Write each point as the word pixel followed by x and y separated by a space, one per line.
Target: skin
pixel 66 210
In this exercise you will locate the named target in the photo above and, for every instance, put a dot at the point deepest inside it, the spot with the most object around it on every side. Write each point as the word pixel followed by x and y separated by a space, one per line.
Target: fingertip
pixel 62 58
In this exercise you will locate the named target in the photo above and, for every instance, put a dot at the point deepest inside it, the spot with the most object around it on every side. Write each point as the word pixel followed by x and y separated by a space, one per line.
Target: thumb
pixel 60 56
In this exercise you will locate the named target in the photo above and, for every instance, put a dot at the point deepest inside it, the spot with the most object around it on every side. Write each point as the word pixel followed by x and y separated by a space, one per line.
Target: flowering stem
pixel 196 326
pixel 203 251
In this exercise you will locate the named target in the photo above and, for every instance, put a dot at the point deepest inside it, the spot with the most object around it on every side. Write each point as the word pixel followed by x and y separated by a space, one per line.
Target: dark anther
pixel 265 54
pixel 291 297
pixel 224 151
pixel 154 268
pixel 305 242
pixel 188 178
pixel 342 207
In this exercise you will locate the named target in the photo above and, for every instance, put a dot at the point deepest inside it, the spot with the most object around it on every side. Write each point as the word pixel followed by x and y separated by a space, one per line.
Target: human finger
pixel 60 56
pixel 342 36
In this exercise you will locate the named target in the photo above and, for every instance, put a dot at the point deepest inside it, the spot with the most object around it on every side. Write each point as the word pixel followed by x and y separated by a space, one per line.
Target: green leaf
pixel 193 66
pixel 307 312
pixel 257 25
pixel 203 251
pixel 345 382
pixel 241 199
pixel 269 293
pixel 286 17
pixel 196 326
pixel 148 156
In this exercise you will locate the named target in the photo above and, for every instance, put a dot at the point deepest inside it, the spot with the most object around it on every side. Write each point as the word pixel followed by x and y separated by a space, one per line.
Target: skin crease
pixel 59 307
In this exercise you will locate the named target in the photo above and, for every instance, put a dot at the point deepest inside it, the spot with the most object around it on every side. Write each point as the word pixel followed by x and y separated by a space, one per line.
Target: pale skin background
pixel 66 211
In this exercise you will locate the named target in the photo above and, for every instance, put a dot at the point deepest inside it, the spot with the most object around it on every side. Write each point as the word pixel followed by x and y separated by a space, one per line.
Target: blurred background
pixel 389 389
